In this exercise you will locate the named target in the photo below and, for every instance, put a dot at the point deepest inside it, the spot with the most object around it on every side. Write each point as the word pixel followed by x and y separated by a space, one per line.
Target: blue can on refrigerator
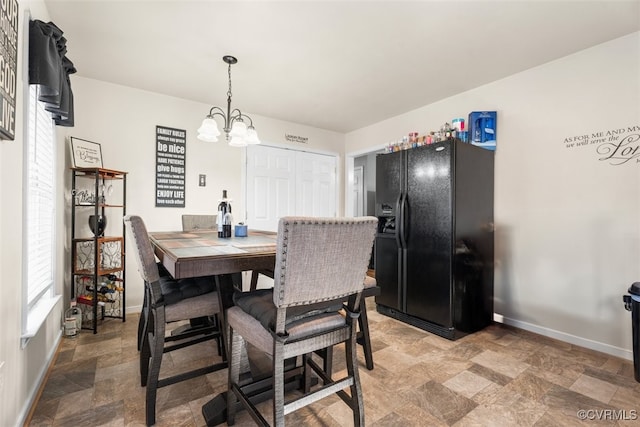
pixel 482 129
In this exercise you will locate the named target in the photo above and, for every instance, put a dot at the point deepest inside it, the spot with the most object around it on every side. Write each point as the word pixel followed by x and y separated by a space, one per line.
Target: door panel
pixel 315 184
pixel 429 234
pixel 358 191
pixel 283 182
pixel 261 191
pixel 387 270
pixel 270 186
pixel 389 170
pixel 388 261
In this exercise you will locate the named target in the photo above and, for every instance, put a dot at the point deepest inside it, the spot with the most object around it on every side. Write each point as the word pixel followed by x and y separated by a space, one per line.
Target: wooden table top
pixel 203 253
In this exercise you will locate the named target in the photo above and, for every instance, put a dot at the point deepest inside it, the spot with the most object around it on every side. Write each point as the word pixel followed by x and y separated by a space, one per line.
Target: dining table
pixel 201 253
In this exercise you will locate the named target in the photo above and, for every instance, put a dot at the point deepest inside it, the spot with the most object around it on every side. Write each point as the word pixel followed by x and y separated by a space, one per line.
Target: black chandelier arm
pixel 217 110
pixel 237 114
pixel 250 121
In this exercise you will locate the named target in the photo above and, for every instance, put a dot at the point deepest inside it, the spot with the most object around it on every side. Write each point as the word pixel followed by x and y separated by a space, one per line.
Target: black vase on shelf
pixel 97 227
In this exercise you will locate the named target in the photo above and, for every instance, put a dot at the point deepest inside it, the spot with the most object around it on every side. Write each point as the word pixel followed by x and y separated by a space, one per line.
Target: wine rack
pixel 97 261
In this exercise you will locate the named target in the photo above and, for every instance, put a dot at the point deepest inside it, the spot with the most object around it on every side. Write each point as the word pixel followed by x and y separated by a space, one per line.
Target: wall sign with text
pixel 613 146
pixel 85 154
pixel 8 66
pixel 171 146
pixel 296 138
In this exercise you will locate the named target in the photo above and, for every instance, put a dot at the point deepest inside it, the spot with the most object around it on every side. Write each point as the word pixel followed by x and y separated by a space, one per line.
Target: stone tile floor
pixel 500 376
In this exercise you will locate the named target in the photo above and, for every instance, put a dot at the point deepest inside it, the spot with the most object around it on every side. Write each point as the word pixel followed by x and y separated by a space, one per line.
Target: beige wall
pixel 123 120
pixel 567 225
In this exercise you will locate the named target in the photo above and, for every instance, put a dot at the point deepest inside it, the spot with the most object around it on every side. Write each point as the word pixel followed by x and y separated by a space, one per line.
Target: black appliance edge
pixel 448 333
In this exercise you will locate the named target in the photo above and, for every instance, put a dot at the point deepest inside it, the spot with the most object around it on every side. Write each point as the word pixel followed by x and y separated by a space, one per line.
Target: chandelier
pixel 238 133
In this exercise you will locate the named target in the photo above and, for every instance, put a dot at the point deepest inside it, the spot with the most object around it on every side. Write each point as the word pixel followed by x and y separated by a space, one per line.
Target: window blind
pixel 40 200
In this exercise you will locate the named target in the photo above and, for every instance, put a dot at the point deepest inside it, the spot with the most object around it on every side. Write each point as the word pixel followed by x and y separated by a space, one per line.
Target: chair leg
pixel 327 363
pixel 235 343
pixel 306 379
pixel 157 345
pixel 254 280
pixel 363 336
pixel 356 389
pixel 220 340
pixel 142 322
pixel 145 350
pixel 278 384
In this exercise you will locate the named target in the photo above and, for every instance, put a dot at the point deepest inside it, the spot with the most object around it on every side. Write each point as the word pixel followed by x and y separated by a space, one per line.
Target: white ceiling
pixel 337 65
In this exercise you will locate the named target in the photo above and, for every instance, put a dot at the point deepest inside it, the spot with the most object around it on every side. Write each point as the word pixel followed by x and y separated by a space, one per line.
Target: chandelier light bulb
pixel 252 136
pixel 237 142
pixel 206 138
pixel 239 129
pixel 208 131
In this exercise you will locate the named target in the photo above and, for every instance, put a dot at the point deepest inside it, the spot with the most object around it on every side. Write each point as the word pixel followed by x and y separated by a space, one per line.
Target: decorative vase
pixel 97 227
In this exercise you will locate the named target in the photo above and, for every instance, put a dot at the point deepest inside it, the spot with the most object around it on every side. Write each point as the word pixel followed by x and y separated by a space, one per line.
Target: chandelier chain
pixel 229 91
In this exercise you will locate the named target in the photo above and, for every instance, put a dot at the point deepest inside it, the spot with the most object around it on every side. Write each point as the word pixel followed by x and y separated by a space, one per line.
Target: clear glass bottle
pixel 72 321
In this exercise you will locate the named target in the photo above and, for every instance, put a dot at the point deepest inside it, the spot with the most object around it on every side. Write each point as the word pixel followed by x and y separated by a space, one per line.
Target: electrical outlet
pixel 202 180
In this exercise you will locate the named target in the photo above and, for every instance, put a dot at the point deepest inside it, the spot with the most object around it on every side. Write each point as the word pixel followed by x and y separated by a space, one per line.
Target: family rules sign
pixel 170 166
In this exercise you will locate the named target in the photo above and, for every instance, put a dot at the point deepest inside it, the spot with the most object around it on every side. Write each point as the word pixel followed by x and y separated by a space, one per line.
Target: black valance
pixel 50 68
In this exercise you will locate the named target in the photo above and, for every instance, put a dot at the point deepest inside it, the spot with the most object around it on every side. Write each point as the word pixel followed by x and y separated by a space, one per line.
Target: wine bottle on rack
pixel 224 216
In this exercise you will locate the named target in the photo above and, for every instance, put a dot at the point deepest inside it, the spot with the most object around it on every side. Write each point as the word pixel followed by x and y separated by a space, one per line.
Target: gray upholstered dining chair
pixel 321 263
pixel 198 222
pixel 168 300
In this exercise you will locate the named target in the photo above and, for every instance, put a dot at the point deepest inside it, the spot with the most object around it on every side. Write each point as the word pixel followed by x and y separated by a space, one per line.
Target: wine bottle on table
pixel 223 209
pixel 227 219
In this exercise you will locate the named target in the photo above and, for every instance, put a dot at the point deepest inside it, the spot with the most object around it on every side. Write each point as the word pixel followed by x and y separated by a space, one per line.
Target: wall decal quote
pixel 614 146
pixel 296 138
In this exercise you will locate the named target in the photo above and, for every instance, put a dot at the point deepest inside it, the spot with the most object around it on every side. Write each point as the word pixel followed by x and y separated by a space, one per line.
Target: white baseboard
pixel 563 336
pixel 136 309
pixel 42 375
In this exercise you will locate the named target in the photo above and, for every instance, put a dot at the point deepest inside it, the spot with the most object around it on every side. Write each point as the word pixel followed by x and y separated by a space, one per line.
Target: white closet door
pixel 270 186
pixel 283 182
pixel 315 184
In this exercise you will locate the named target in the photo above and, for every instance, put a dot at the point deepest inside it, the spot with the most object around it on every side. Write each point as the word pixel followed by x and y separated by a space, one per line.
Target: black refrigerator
pixel 434 246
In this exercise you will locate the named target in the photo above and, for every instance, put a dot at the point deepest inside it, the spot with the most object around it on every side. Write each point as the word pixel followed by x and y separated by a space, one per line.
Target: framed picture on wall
pixel 86 154
pixel 9 60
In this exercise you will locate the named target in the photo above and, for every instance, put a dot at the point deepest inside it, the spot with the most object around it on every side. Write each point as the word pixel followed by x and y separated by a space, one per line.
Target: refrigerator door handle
pixel 398 230
pixel 403 220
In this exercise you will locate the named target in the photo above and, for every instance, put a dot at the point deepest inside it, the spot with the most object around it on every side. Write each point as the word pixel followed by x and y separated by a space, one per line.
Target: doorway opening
pixel 360 182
